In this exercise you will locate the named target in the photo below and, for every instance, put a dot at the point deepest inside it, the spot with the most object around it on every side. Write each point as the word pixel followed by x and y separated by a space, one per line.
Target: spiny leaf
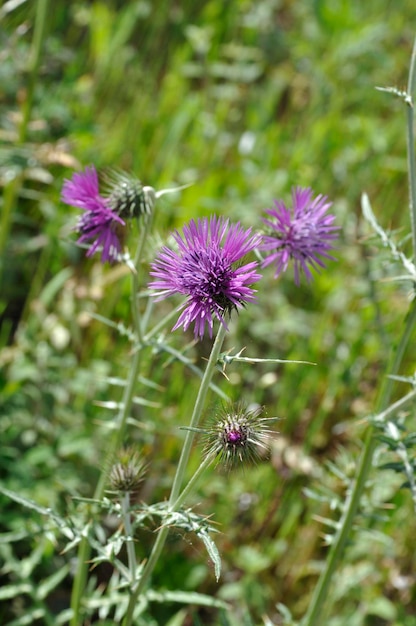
pixel 212 551
pixel 62 524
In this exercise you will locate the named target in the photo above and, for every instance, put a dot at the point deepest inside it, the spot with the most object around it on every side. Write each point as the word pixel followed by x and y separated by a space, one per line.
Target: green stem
pixel 321 592
pixel 411 147
pixel 131 553
pixel 84 549
pixel 144 232
pixel 344 529
pixel 192 482
pixel 196 415
pixel 12 189
pixel 118 434
pixel 179 475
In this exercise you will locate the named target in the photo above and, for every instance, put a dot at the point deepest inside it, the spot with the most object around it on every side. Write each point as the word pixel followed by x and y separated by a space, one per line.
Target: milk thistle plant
pixel 212 268
pixel 208 266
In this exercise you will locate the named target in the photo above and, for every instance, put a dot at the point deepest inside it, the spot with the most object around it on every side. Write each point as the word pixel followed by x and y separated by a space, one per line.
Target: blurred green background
pixel 244 99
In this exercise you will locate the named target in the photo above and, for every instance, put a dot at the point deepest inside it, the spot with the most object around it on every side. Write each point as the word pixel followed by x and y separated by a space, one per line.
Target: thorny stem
pixel 321 592
pixel 192 482
pixel 411 146
pixel 131 553
pixel 196 415
pixel 84 549
pixel 175 498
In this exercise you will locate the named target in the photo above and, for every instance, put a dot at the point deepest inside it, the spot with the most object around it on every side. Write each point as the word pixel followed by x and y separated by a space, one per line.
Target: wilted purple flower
pixel 304 234
pixel 99 222
pixel 205 269
pixel 237 435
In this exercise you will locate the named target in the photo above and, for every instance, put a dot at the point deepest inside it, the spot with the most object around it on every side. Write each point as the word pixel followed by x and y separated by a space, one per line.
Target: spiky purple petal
pixel 99 223
pixel 203 268
pixel 303 234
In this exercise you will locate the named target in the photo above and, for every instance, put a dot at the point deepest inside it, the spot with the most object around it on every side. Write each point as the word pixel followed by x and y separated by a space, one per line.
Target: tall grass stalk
pixel 11 191
pixel 344 529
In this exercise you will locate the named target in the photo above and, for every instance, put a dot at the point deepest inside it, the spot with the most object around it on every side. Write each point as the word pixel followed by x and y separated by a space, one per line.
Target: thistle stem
pixel 84 549
pixel 131 553
pixel 196 415
pixel 175 498
pixel 411 147
pixel 321 592
pixel 192 482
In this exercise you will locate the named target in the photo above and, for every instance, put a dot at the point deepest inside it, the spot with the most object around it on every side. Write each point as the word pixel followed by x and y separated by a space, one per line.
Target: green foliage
pixel 244 100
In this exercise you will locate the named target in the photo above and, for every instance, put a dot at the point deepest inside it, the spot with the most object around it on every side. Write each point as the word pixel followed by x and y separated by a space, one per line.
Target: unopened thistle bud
pixel 238 435
pixel 127 472
pixel 126 195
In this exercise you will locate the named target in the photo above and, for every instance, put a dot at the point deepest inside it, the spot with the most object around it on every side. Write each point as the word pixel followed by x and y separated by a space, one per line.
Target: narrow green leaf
pixel 213 553
pixel 52 582
pixel 185 597
pixel 34 506
pixel 13 591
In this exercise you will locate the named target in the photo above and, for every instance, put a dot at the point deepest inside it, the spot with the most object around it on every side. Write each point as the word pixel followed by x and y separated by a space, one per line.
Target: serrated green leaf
pixel 28 618
pixel 6 538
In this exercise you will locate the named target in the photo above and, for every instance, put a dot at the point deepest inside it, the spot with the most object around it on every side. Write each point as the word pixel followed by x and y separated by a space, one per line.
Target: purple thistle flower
pixel 204 269
pixel 100 222
pixel 304 234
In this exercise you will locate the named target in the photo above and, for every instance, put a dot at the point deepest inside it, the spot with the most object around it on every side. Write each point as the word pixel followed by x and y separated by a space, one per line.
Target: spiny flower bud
pixel 237 435
pixel 127 473
pixel 126 195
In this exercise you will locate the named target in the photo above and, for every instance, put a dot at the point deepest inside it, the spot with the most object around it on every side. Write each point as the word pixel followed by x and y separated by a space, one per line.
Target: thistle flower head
pixel 103 223
pixel 303 234
pixel 127 472
pixel 206 269
pixel 237 435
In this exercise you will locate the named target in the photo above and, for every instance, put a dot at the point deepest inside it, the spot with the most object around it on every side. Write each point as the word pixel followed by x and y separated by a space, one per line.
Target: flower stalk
pixel 411 147
pixel 176 498
pixel 117 438
pixel 131 553
pixel 321 592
